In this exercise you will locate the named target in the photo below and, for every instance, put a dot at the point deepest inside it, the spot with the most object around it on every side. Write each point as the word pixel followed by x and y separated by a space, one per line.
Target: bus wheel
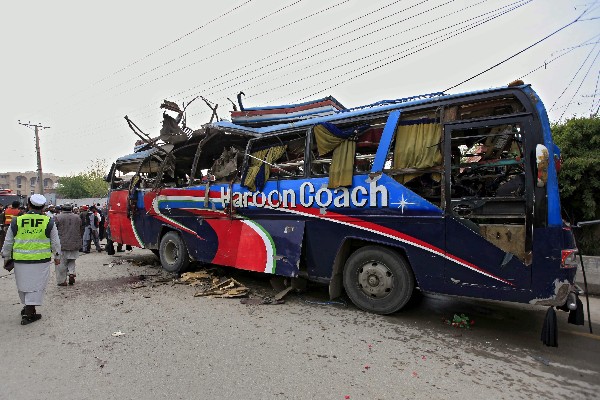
pixel 173 253
pixel 378 280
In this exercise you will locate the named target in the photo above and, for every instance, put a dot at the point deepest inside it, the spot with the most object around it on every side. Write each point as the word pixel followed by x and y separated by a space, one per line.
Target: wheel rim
pixel 171 253
pixel 375 279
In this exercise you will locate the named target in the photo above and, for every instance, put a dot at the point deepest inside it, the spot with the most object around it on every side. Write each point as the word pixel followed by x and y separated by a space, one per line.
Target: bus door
pixel 488 199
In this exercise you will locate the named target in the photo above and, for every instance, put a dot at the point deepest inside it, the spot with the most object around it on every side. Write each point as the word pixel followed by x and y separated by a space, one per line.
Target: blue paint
pixel 554 217
pixel 386 140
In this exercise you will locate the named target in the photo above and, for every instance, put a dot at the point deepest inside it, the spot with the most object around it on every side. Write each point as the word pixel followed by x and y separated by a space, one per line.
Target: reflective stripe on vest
pixel 31 243
pixel 9 213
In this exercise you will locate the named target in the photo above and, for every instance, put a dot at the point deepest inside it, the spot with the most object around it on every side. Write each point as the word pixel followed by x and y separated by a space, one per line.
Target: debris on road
pixel 137 285
pixel 460 321
pixel 283 293
pixel 229 288
pixel 196 278
pixel 118 333
pixel 341 302
pixel 261 301
pixel 542 360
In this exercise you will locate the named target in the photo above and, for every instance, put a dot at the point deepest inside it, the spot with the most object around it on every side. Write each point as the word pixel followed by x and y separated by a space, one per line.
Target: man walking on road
pixel 69 232
pixel 90 222
pixel 31 240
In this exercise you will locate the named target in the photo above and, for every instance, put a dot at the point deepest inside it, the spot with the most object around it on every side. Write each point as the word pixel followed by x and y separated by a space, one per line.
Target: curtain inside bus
pixel 328 138
pixel 259 169
pixel 417 146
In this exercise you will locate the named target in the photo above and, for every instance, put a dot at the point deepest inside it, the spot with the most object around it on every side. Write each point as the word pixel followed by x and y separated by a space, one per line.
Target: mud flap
pixel 550 329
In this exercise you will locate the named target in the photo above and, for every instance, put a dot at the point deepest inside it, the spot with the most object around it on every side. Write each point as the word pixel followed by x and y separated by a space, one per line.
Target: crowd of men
pixel 31 236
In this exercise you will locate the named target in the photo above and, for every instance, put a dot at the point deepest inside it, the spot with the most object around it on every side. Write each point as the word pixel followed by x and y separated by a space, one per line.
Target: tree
pixel 89 183
pixel 579 178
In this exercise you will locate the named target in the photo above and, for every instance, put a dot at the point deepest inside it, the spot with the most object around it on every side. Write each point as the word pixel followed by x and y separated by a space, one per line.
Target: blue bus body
pixel 480 220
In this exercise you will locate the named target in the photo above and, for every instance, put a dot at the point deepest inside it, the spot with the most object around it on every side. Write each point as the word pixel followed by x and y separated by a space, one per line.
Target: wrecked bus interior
pixel 443 193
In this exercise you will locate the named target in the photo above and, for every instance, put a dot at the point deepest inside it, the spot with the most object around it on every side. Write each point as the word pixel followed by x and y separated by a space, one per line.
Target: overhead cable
pixel 172 42
pixel 517 53
pixel 226 50
pixel 569 49
pixel 434 40
pixel 573 78
pixel 579 87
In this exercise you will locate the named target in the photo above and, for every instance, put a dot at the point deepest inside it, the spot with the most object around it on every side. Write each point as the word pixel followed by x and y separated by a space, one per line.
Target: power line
pixel 172 42
pixel 155 51
pixel 253 63
pixel 327 50
pixel 307 40
pixel 232 47
pixel 432 42
pixel 187 53
pixel 569 49
pixel 579 87
pixel 519 3
pixel 595 92
pixel 198 48
pixel 573 78
pixel 389 48
pixel 517 53
pixel 250 65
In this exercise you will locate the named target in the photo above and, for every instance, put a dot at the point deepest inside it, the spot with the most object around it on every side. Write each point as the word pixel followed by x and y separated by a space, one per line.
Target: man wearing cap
pixel 31 240
pixel 69 232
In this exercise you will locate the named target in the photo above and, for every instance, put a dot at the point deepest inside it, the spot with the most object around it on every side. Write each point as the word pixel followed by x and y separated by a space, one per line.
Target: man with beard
pixel 31 240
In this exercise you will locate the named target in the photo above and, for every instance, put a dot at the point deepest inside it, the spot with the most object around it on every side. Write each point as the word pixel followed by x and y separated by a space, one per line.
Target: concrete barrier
pixel 592 273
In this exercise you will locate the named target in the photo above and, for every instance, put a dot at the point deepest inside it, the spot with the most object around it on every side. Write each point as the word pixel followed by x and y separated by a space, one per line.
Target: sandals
pixel 72 279
pixel 29 318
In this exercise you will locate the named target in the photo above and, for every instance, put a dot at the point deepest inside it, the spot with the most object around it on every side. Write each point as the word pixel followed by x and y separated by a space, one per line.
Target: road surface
pixel 109 337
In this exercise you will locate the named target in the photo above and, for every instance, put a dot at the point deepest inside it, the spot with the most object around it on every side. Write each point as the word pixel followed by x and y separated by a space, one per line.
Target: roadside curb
pixel 592 273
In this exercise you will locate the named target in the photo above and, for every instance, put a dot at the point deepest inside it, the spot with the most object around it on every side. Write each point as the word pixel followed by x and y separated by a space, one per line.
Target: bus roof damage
pixel 458 191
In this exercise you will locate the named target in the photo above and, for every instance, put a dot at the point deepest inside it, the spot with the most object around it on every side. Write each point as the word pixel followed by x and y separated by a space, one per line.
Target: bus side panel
pixel 166 213
pixel 285 236
pixel 420 239
pixel 547 273
pixel 473 262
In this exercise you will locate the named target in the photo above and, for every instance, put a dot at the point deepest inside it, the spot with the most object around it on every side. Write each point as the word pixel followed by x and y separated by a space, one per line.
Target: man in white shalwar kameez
pixel 31 240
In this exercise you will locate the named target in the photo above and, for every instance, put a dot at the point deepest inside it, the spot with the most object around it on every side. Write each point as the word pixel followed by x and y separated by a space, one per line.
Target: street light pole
pixel 40 178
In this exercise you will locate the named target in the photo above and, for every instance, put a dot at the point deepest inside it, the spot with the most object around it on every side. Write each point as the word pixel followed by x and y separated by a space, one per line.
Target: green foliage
pixel 89 183
pixel 579 178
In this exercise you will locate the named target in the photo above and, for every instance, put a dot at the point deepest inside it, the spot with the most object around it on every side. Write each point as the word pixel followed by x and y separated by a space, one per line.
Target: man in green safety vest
pixel 31 241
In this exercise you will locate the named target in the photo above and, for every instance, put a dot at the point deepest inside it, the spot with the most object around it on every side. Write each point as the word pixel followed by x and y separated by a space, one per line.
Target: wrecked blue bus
pixel 454 194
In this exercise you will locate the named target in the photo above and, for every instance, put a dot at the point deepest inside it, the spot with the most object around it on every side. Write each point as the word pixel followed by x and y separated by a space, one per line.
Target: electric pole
pixel 36 128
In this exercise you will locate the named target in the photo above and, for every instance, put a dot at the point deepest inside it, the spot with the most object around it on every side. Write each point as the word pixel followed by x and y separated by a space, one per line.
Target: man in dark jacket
pixel 69 232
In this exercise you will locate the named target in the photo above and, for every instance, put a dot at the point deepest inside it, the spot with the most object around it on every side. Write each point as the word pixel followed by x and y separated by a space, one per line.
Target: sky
pixel 80 67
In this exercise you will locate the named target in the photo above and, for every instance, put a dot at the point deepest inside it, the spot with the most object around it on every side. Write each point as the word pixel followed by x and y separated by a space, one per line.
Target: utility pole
pixel 36 128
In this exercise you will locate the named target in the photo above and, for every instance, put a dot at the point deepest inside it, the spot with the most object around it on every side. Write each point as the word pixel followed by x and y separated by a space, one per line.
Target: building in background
pixel 25 183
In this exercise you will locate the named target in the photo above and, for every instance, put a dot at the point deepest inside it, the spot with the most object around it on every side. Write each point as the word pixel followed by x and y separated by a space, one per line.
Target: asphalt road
pixel 176 346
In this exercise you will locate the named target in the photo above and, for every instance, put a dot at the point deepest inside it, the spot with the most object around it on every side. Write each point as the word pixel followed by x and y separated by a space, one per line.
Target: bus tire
pixel 174 256
pixel 378 280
